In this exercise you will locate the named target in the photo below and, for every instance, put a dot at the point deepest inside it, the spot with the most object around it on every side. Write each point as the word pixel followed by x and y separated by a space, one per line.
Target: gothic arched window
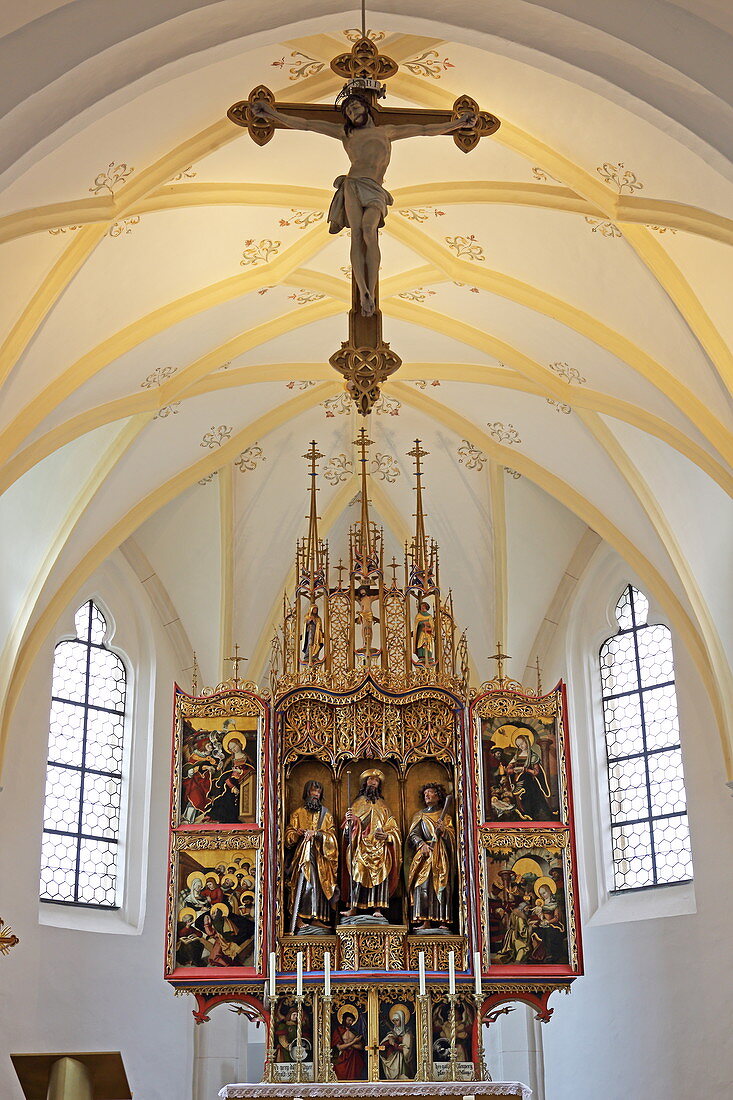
pixel 81 821
pixel 650 836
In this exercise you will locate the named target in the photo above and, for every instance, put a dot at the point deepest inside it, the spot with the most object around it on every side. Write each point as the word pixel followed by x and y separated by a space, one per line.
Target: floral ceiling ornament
pixel 303 297
pixel 216 436
pixel 471 456
pixel 119 229
pixel 114 175
pixel 472 289
pixel 338 469
pixel 605 228
pixel 654 228
pixel 8 938
pixel 620 177
pixel 300 65
pixel 570 374
pixel 512 473
pixel 63 229
pixel 466 248
pixel 423 383
pixel 421 213
pixel 208 478
pixel 504 433
pixel 302 218
pixel 354 35
pixel 154 381
pixel 419 294
pixel 250 457
pixel 259 253
pixel 343 404
pixel 429 64
pixel 384 468
pixel 300 384
pixel 185 174
pixel 346 272
pixel 559 406
pixel 543 176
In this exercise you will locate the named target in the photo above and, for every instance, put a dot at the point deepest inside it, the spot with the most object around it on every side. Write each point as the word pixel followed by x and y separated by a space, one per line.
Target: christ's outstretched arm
pixel 265 110
pixel 437 129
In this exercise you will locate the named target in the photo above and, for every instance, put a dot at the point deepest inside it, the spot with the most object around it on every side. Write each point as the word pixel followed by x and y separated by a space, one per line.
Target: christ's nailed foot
pixel 368 304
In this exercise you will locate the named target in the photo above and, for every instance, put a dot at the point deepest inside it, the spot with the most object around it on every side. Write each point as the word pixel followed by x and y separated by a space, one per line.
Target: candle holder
pixel 453 1002
pixel 326 1068
pixel 299 999
pixel 423 1003
pixel 481 1066
pixel 271 1006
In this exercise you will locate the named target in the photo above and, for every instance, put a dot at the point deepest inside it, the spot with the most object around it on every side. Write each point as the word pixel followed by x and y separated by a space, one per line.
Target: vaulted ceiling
pixel 559 298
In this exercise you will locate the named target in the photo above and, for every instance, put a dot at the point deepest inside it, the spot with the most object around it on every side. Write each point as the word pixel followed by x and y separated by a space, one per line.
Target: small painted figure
pixel 528 780
pixel 397 1047
pixel 312 843
pixel 430 874
pixel 312 637
pixel 424 635
pixel 348 1045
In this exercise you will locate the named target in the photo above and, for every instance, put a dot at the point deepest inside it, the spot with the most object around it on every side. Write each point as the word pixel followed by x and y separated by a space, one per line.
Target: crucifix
pixel 538 670
pixel 236 661
pixel 367 131
pixel 500 658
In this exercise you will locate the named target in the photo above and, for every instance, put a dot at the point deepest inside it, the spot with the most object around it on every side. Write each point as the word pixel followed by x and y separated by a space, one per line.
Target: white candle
pixel 421 967
pixel 451 971
pixel 327 973
pixel 299 975
pixel 477 972
pixel 272 974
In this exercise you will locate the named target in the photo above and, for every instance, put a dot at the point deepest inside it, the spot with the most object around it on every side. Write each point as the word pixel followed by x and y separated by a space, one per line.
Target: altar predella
pixel 371 857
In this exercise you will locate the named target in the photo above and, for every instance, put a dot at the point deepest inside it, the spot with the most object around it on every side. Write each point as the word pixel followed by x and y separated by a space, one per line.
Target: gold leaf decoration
pixel 113 176
pixel 466 248
pixel 570 374
pixel 429 64
pixel 419 294
pixel 8 938
pixel 302 218
pixel 504 433
pixel 620 177
pixel 471 456
pixel 300 65
pixel 121 228
pixel 421 213
pixel 605 228
pixel 303 297
pixel 259 253
pixel 216 436
pixel 250 457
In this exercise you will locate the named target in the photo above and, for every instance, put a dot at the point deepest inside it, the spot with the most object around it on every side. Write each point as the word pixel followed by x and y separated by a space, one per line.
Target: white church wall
pixel 71 988
pixel 651 1018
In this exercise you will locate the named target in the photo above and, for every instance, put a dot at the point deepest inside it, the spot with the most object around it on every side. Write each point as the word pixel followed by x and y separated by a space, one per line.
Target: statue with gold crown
pixel 373 847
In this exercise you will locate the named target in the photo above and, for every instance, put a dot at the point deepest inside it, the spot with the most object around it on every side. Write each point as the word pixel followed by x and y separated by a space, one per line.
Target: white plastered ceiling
pixel 171 297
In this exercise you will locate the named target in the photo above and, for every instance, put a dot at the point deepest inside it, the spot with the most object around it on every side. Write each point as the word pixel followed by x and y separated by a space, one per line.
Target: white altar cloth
pixel 310 1090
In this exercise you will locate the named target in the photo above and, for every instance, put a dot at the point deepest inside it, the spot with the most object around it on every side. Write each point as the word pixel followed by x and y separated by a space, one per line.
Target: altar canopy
pixel 370 856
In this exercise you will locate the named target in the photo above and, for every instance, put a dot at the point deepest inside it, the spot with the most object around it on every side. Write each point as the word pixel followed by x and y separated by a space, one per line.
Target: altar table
pixel 429 1090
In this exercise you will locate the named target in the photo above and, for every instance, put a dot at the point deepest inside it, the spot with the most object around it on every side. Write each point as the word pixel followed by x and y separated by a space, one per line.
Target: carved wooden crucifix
pixel 367 131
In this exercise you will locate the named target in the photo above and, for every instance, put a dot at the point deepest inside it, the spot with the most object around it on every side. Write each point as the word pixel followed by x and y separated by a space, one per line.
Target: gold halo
pixel 248 895
pixel 341 1012
pixel 211 874
pixel 193 875
pixel 228 882
pixel 187 911
pixel 521 731
pixel 545 881
pixel 370 772
pixel 227 739
pixel 526 866
pixel 396 1008
pixel 220 907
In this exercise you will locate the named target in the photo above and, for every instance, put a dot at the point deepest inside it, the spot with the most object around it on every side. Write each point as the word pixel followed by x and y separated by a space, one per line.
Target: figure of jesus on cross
pixel 361 201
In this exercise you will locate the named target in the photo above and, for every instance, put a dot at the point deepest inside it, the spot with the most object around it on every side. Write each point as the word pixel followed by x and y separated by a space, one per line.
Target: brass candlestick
pixel 481 1066
pixel 423 1003
pixel 326 1068
pixel 271 1006
pixel 453 1001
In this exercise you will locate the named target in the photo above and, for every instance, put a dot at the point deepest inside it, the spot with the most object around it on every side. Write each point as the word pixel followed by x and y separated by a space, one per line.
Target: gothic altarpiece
pixel 370 857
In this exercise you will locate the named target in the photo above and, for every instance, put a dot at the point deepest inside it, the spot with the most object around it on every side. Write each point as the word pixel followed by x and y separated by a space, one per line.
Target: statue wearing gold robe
pixel 432 837
pixel 313 866
pixel 373 847
pixel 423 640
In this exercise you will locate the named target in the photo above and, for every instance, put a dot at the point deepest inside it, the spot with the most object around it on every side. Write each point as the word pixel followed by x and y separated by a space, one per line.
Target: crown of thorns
pixel 345 97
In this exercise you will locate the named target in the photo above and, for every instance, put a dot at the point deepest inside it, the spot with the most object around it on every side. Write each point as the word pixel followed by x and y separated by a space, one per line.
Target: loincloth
pixel 369 192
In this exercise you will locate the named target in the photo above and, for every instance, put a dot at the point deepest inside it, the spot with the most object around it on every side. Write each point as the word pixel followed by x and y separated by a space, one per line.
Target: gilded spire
pixel 419 542
pixel 313 542
pixel 365 536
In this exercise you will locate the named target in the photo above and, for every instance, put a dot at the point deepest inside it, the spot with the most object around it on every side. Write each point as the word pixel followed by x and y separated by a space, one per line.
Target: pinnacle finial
pixel 363 442
pixel 420 542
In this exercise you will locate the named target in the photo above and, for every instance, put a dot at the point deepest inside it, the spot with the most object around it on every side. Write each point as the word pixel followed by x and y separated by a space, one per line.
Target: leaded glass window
pixel 650 836
pixel 84 772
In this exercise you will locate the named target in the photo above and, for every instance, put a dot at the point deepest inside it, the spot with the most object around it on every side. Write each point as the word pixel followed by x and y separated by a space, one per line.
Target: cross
pixel 194 670
pixel 236 661
pixel 394 567
pixel 536 666
pixel 339 569
pixel 365 361
pixel 500 658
